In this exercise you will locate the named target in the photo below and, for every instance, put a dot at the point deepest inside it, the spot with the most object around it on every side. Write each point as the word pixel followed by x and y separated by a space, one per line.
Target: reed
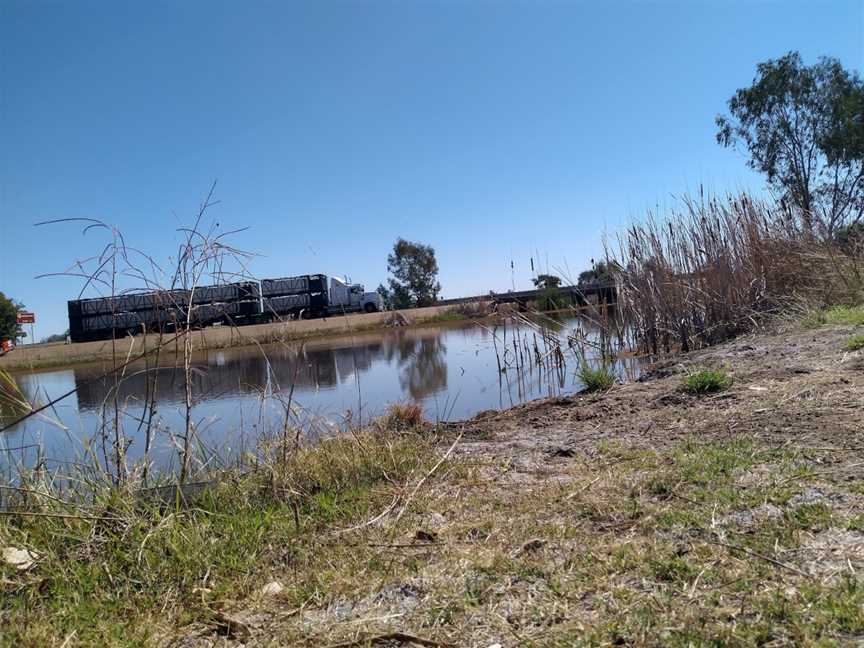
pixel 718 267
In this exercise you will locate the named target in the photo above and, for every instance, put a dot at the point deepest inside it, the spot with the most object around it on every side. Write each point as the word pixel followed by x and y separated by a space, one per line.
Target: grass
pixel 595 379
pixel 837 316
pixel 706 381
pixel 135 567
pixel 664 549
pixel 402 416
pixel 855 343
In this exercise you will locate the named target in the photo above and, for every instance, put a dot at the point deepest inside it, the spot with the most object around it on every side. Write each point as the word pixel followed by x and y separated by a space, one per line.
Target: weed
pixel 595 379
pixel 706 381
pixel 402 416
pixel 855 343
pixel 104 578
pixel 835 316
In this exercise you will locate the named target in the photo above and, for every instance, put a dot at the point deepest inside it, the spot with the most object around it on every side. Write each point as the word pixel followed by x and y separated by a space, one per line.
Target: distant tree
pixel 415 275
pixel 57 337
pixel 545 281
pixel 10 329
pixel 850 238
pixel 803 127
pixel 600 272
pixel 386 296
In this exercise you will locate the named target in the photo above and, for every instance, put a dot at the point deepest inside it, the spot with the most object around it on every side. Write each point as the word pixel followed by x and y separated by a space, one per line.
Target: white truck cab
pixel 345 297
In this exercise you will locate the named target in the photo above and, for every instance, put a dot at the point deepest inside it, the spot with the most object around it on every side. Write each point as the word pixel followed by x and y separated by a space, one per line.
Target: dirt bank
pixel 217 337
pixel 641 516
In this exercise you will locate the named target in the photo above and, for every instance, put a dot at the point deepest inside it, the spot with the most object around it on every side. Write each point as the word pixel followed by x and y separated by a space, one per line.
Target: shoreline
pixel 28 358
pixel 640 515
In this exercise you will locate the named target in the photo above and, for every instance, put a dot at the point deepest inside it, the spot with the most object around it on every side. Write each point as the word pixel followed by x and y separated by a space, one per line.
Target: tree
pixel 803 127
pixel 546 281
pixel 10 329
pixel 415 271
pixel 57 337
pixel 600 272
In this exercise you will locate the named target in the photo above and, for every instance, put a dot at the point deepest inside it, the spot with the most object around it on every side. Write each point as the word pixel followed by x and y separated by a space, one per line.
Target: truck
pixel 236 304
pixel 308 296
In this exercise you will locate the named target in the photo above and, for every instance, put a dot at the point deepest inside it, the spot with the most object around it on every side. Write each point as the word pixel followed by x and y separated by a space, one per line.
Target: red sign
pixel 26 317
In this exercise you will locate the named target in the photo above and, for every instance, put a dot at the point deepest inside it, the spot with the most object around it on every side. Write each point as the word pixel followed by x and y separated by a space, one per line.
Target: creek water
pixel 241 395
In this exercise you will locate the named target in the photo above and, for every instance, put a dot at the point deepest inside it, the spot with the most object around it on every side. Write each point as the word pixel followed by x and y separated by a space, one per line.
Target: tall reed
pixel 718 267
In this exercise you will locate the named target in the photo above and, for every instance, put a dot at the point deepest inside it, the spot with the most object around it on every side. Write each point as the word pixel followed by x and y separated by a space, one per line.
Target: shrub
pixel 717 267
pixel 706 381
pixel 837 315
pixel 855 343
pixel 596 378
pixel 403 416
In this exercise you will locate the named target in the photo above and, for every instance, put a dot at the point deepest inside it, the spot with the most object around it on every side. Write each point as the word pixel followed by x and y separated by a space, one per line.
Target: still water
pixel 241 395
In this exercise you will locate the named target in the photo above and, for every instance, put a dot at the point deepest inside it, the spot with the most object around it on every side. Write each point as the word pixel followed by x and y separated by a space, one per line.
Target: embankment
pixel 41 356
pixel 640 516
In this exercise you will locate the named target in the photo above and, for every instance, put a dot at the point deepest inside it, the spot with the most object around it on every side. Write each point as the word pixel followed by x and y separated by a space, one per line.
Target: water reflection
pixel 422 368
pixel 452 371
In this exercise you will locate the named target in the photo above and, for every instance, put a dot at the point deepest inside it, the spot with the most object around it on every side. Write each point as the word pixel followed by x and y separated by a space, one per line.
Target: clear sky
pixel 490 130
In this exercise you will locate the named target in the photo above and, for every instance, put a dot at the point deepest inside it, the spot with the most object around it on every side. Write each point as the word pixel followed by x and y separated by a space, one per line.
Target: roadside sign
pixel 26 317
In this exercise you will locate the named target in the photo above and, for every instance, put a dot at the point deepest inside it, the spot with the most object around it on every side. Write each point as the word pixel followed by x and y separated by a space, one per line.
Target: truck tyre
pixel 370 308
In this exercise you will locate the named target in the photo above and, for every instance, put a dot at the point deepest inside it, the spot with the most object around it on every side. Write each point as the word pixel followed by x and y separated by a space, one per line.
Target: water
pixel 242 394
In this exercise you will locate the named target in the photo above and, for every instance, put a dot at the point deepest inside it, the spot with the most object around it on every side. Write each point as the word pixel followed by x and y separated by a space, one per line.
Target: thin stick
pixel 428 475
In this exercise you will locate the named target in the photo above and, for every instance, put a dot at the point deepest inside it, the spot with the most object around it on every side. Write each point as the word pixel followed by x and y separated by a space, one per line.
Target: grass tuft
pixel 706 381
pixel 836 315
pixel 855 343
pixel 403 416
pixel 595 379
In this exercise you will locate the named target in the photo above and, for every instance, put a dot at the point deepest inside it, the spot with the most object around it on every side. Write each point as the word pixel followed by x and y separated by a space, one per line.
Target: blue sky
pixel 490 130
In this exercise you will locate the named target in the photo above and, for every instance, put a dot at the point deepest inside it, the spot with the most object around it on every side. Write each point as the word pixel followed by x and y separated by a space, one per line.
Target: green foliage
pixel 836 316
pixel 855 343
pixel 802 128
pixel 9 327
pixel 706 381
pixel 137 564
pixel 598 378
pixel 600 272
pixel 415 275
pixel 546 281
pixel 386 297
pixel 550 299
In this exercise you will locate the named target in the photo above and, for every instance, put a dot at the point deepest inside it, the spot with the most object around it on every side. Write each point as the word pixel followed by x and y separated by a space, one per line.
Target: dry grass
pixel 637 516
pixel 402 416
pixel 719 267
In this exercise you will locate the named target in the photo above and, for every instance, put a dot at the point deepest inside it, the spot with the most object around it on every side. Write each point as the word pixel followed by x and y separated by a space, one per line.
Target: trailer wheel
pixel 370 308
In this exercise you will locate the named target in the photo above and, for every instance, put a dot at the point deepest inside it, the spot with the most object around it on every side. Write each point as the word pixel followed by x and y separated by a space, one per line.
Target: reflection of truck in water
pixel 246 302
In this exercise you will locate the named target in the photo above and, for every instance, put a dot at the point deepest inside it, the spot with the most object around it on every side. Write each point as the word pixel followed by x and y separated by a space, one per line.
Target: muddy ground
pixel 639 516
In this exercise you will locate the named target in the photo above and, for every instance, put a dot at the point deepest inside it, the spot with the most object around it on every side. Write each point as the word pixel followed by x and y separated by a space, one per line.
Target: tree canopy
pixel 414 280
pixel 546 281
pixel 600 272
pixel 10 329
pixel 803 127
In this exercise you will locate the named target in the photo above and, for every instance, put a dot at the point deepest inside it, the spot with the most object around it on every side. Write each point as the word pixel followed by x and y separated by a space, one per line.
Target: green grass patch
pixel 855 343
pixel 599 378
pixel 706 381
pixel 141 566
pixel 836 315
